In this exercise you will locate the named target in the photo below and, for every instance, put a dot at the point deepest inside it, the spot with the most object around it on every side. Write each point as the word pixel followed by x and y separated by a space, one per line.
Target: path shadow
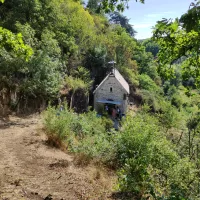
pixel 4 122
pixel 7 121
pixel 123 196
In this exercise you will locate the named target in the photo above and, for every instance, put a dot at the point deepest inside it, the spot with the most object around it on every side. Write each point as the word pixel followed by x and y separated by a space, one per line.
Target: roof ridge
pixel 120 79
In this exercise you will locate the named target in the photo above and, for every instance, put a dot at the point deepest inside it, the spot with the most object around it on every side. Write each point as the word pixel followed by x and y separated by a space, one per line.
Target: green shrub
pixel 177 100
pixel 108 123
pixel 149 162
pixel 140 147
pixel 84 133
pixel 57 125
pixel 152 99
pixel 170 116
pixel 99 147
pixel 146 83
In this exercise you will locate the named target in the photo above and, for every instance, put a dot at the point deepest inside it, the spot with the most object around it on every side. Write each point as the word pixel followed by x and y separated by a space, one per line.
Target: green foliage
pixel 156 152
pixel 83 74
pixel 151 46
pixel 145 82
pixel 75 83
pixel 150 162
pixel 192 13
pixel 13 45
pixel 28 34
pixel 49 44
pixel 177 101
pixel 130 75
pixel 177 39
pixel 109 6
pixel 57 127
pixel 42 76
pixel 118 18
pixel 93 6
pixel 64 36
pixel 146 63
pixel 39 76
pixel 84 133
pixel 150 70
pixel 170 117
pixel 153 100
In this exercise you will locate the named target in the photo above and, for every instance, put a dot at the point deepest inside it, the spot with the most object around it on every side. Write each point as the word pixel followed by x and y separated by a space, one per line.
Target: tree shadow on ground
pixel 123 196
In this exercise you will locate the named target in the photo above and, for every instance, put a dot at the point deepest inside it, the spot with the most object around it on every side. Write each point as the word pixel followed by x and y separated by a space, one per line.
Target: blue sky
pixel 145 16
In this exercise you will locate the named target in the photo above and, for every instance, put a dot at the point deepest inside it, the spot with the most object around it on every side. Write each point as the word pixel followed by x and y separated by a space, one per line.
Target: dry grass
pixel 54 141
pixel 97 174
pixel 82 160
pixel 60 164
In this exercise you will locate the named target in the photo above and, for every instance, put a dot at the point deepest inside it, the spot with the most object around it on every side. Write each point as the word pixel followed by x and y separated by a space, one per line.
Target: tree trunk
pixel 87 102
pixel 71 101
pixel 189 142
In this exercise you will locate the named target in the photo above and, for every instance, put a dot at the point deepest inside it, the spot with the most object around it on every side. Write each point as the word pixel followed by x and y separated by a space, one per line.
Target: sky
pixel 144 16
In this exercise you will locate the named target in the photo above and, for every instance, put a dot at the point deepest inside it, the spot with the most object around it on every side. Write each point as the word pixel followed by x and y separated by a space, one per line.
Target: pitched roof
pixel 119 77
pixel 121 80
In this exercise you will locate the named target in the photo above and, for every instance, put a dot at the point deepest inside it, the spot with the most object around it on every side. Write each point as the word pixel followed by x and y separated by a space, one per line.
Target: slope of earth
pixel 29 169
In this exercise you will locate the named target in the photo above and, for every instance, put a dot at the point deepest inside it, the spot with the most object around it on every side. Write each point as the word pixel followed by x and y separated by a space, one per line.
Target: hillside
pixel 53 54
pixel 31 170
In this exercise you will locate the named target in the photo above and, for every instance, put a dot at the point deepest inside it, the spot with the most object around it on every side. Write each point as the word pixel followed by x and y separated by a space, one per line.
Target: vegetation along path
pixel 29 169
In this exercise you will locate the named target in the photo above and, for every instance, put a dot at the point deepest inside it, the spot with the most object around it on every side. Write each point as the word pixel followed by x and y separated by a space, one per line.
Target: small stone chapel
pixel 112 91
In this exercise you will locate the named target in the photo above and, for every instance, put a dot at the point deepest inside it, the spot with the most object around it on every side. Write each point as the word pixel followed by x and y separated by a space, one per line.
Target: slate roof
pixel 119 77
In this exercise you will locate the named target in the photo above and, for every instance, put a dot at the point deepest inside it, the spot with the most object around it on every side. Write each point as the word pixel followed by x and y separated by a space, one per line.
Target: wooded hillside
pixel 61 48
pixel 64 36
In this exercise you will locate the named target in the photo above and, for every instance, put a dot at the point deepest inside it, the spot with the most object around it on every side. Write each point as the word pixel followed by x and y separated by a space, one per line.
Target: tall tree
pixel 74 84
pixel 151 46
pixel 118 18
pixel 111 5
pixel 93 6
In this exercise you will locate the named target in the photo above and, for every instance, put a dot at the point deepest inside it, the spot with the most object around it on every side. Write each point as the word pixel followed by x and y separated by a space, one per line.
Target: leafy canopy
pixel 118 18
pixel 14 44
pixel 111 5
pixel 178 39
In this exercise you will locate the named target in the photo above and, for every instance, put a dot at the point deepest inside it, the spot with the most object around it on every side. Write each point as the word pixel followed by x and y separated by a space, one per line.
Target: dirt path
pixel 29 169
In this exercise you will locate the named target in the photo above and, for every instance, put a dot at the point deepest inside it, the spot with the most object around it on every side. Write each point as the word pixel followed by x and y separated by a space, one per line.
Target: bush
pixel 170 117
pixel 57 125
pixel 177 100
pixel 137 146
pixel 149 162
pixel 152 99
pixel 84 133
pixel 146 83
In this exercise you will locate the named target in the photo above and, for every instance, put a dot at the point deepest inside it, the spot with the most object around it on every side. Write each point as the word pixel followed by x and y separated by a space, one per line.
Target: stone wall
pixel 104 92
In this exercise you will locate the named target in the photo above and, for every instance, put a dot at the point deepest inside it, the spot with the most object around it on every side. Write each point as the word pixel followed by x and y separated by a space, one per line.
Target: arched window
pixel 110 89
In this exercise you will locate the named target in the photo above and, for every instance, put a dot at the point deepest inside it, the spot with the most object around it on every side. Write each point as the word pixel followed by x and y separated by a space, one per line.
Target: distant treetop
pixel 111 5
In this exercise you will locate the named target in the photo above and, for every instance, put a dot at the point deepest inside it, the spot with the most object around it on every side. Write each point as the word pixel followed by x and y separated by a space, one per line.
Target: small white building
pixel 112 91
